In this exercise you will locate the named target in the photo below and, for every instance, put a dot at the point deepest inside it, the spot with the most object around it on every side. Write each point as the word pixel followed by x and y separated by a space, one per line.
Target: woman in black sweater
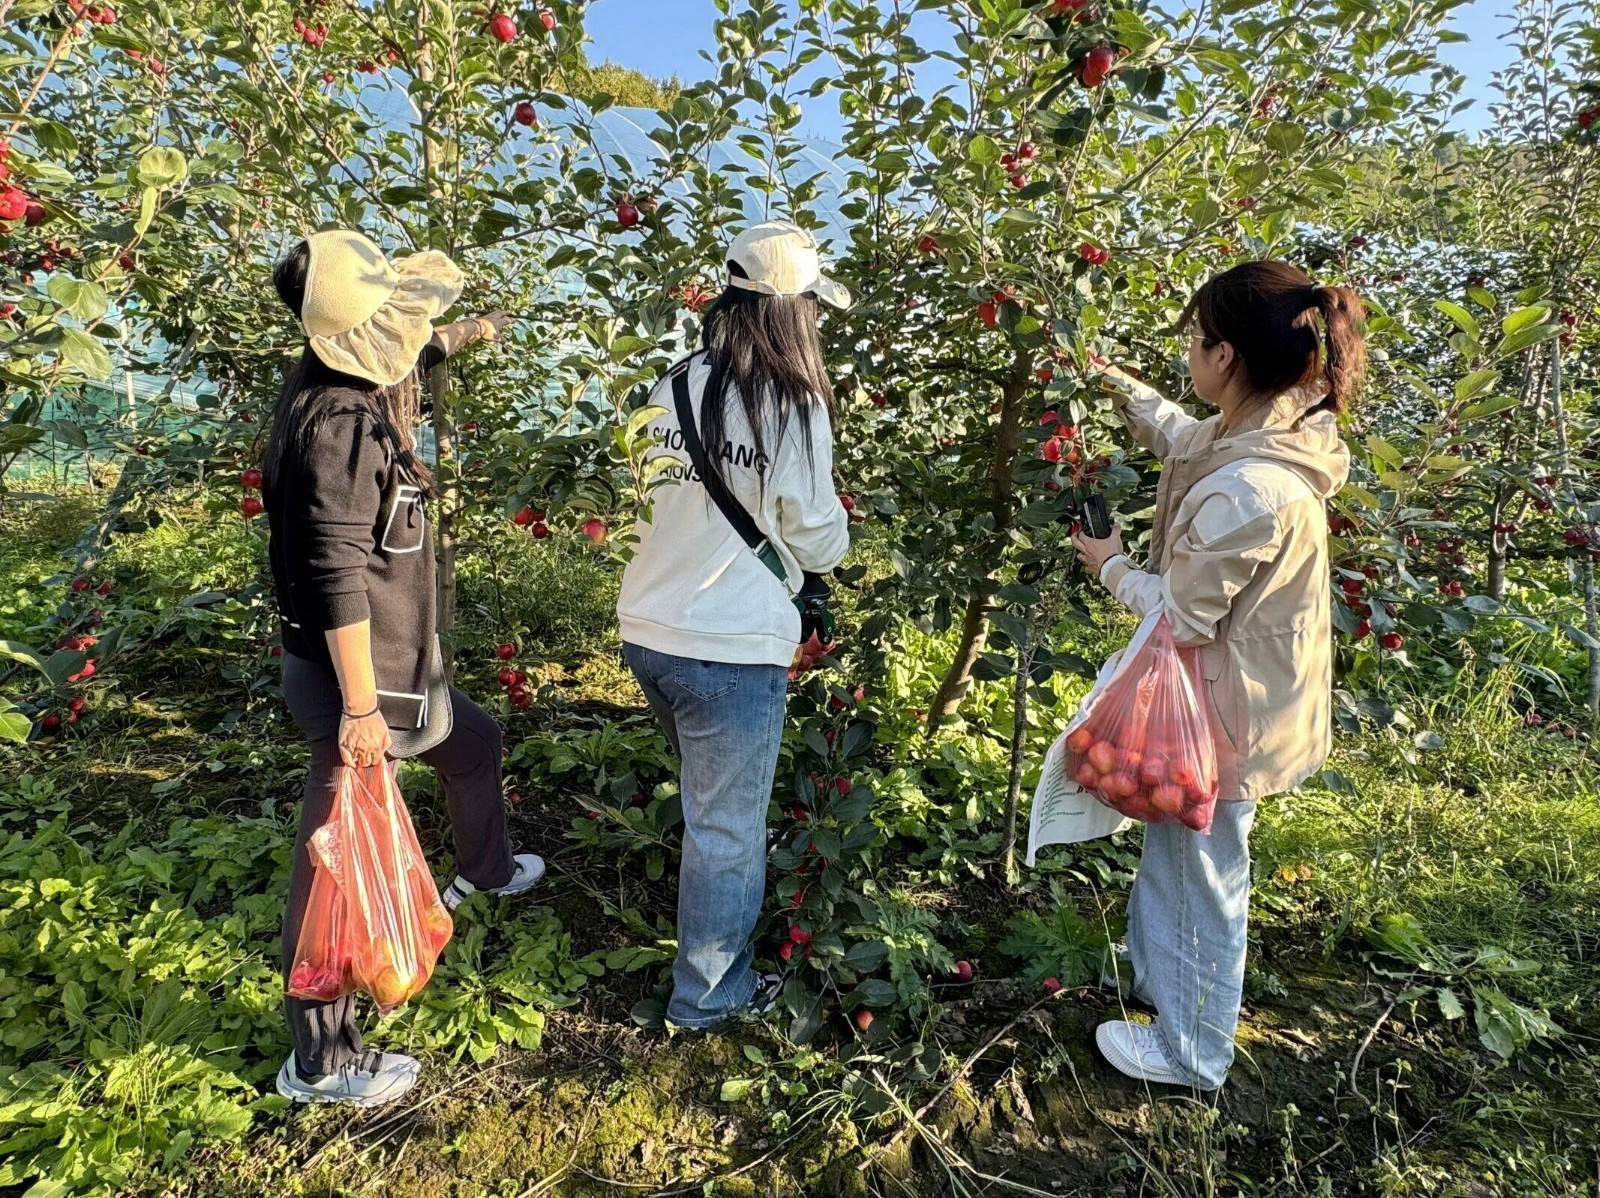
pixel 352 564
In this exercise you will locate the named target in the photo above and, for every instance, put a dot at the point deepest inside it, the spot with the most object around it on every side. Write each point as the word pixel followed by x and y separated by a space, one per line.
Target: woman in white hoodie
pixel 709 622
pixel 1238 561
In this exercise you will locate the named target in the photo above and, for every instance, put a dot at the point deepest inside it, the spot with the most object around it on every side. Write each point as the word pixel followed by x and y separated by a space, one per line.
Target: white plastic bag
pixel 1063 813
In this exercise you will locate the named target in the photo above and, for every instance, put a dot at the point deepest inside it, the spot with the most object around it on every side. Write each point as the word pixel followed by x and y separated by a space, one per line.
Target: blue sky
pixel 665 37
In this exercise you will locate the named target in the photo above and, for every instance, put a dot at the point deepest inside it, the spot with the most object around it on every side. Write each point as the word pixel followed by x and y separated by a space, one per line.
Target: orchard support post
pixel 1586 573
pixel 447 499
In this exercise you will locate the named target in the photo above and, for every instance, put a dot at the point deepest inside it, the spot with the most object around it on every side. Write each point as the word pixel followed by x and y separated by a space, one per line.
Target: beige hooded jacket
pixel 1239 561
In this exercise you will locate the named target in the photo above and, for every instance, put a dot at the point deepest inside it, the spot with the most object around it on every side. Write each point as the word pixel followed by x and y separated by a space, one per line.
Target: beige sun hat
pixel 367 317
pixel 782 259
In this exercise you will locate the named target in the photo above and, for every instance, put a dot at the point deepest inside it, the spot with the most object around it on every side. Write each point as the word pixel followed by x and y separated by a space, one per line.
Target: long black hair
pixel 299 415
pixel 767 348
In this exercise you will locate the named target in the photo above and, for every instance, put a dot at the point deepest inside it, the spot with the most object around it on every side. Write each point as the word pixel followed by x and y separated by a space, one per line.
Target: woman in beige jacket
pixel 1238 561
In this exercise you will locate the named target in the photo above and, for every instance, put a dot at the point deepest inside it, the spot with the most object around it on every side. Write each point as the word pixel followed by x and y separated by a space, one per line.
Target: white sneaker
pixel 527 869
pixel 372 1079
pixel 1136 1050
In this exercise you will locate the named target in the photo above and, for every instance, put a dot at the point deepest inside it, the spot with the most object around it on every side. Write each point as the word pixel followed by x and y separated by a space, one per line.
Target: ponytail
pixel 1344 355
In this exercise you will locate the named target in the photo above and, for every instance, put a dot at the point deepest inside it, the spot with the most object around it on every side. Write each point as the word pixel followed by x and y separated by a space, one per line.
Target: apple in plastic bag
pixel 1103 756
pixel 1087 776
pixel 1078 741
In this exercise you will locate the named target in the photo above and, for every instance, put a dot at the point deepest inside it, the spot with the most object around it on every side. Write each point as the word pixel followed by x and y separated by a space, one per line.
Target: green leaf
pixel 1285 137
pixel 84 299
pixel 83 353
pixel 17 651
pixel 1449 1005
pixel 1525 338
pixel 147 211
pixel 1523 318
pixel 983 150
pixel 162 166
pixel 1475 384
pixel 866 955
pixel 1489 407
pixel 1463 318
pixel 13 726
pixel 872 992
pixel 736 1089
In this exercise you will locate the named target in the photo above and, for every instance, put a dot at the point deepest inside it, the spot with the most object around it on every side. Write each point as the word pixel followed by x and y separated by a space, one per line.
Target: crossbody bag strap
pixel 732 510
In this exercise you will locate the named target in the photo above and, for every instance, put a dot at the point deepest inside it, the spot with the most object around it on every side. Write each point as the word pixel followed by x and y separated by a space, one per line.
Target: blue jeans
pixel 725 723
pixel 1187 920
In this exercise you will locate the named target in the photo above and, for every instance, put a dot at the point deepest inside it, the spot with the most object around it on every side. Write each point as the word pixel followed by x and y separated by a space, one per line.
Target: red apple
pixel 627 214
pixel 1122 785
pixel 508 677
pixel 524 114
pixel 989 314
pixel 251 479
pixel 1050 451
pixel 1392 641
pixel 523 518
pixel 251 507
pixel 515 798
pixel 76 704
pixel 785 951
pixel 963 971
pixel 502 28
pixel 519 697
pixel 540 530
pixel 1087 776
pixel 80 585
pixel 595 529
pixel 547 19
pixel 50 722
pixel 847 503
pixel 1167 798
pixel 1096 66
pixel 928 245
pixel 1052 985
pixel 1103 756
pixel 799 935
pixel 1079 740
pixel 864 1019
pixel 276 651
pixel 13 203
pixel 105 588
pixel 1363 630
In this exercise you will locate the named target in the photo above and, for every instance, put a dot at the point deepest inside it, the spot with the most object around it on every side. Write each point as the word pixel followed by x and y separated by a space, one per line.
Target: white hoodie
pixel 694 588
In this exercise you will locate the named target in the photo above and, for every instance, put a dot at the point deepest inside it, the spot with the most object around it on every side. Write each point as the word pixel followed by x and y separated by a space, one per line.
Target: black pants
pixel 468 760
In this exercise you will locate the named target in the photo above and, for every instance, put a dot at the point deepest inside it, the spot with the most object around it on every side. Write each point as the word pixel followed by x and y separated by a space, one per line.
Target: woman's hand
pixel 363 741
pixel 1095 553
pixel 497 320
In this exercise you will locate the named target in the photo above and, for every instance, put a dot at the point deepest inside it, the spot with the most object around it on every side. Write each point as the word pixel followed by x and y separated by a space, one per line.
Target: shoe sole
pixel 307 1097
pixel 1124 1064
pixel 451 902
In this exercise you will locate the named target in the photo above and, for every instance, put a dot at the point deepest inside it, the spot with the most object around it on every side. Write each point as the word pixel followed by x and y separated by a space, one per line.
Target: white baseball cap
pixel 781 259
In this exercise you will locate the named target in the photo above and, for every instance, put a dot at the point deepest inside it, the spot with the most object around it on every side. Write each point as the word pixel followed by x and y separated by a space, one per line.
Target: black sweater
pixel 350 542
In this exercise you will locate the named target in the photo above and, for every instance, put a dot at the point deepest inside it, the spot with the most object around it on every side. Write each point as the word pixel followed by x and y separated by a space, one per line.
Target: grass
pixel 151 843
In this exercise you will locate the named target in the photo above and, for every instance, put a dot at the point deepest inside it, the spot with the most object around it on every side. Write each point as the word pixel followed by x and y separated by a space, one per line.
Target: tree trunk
pixel 958 678
pixel 447 497
pixel 1019 737
pixel 1002 506
pixel 1586 573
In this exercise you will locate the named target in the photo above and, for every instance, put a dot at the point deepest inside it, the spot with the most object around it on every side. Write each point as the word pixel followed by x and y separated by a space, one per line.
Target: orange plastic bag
pixel 374 921
pixel 1147 748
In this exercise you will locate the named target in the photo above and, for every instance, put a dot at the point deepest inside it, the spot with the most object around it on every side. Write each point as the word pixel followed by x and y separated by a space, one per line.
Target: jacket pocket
pixel 705 679
pixel 406 530
pixel 1223 688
